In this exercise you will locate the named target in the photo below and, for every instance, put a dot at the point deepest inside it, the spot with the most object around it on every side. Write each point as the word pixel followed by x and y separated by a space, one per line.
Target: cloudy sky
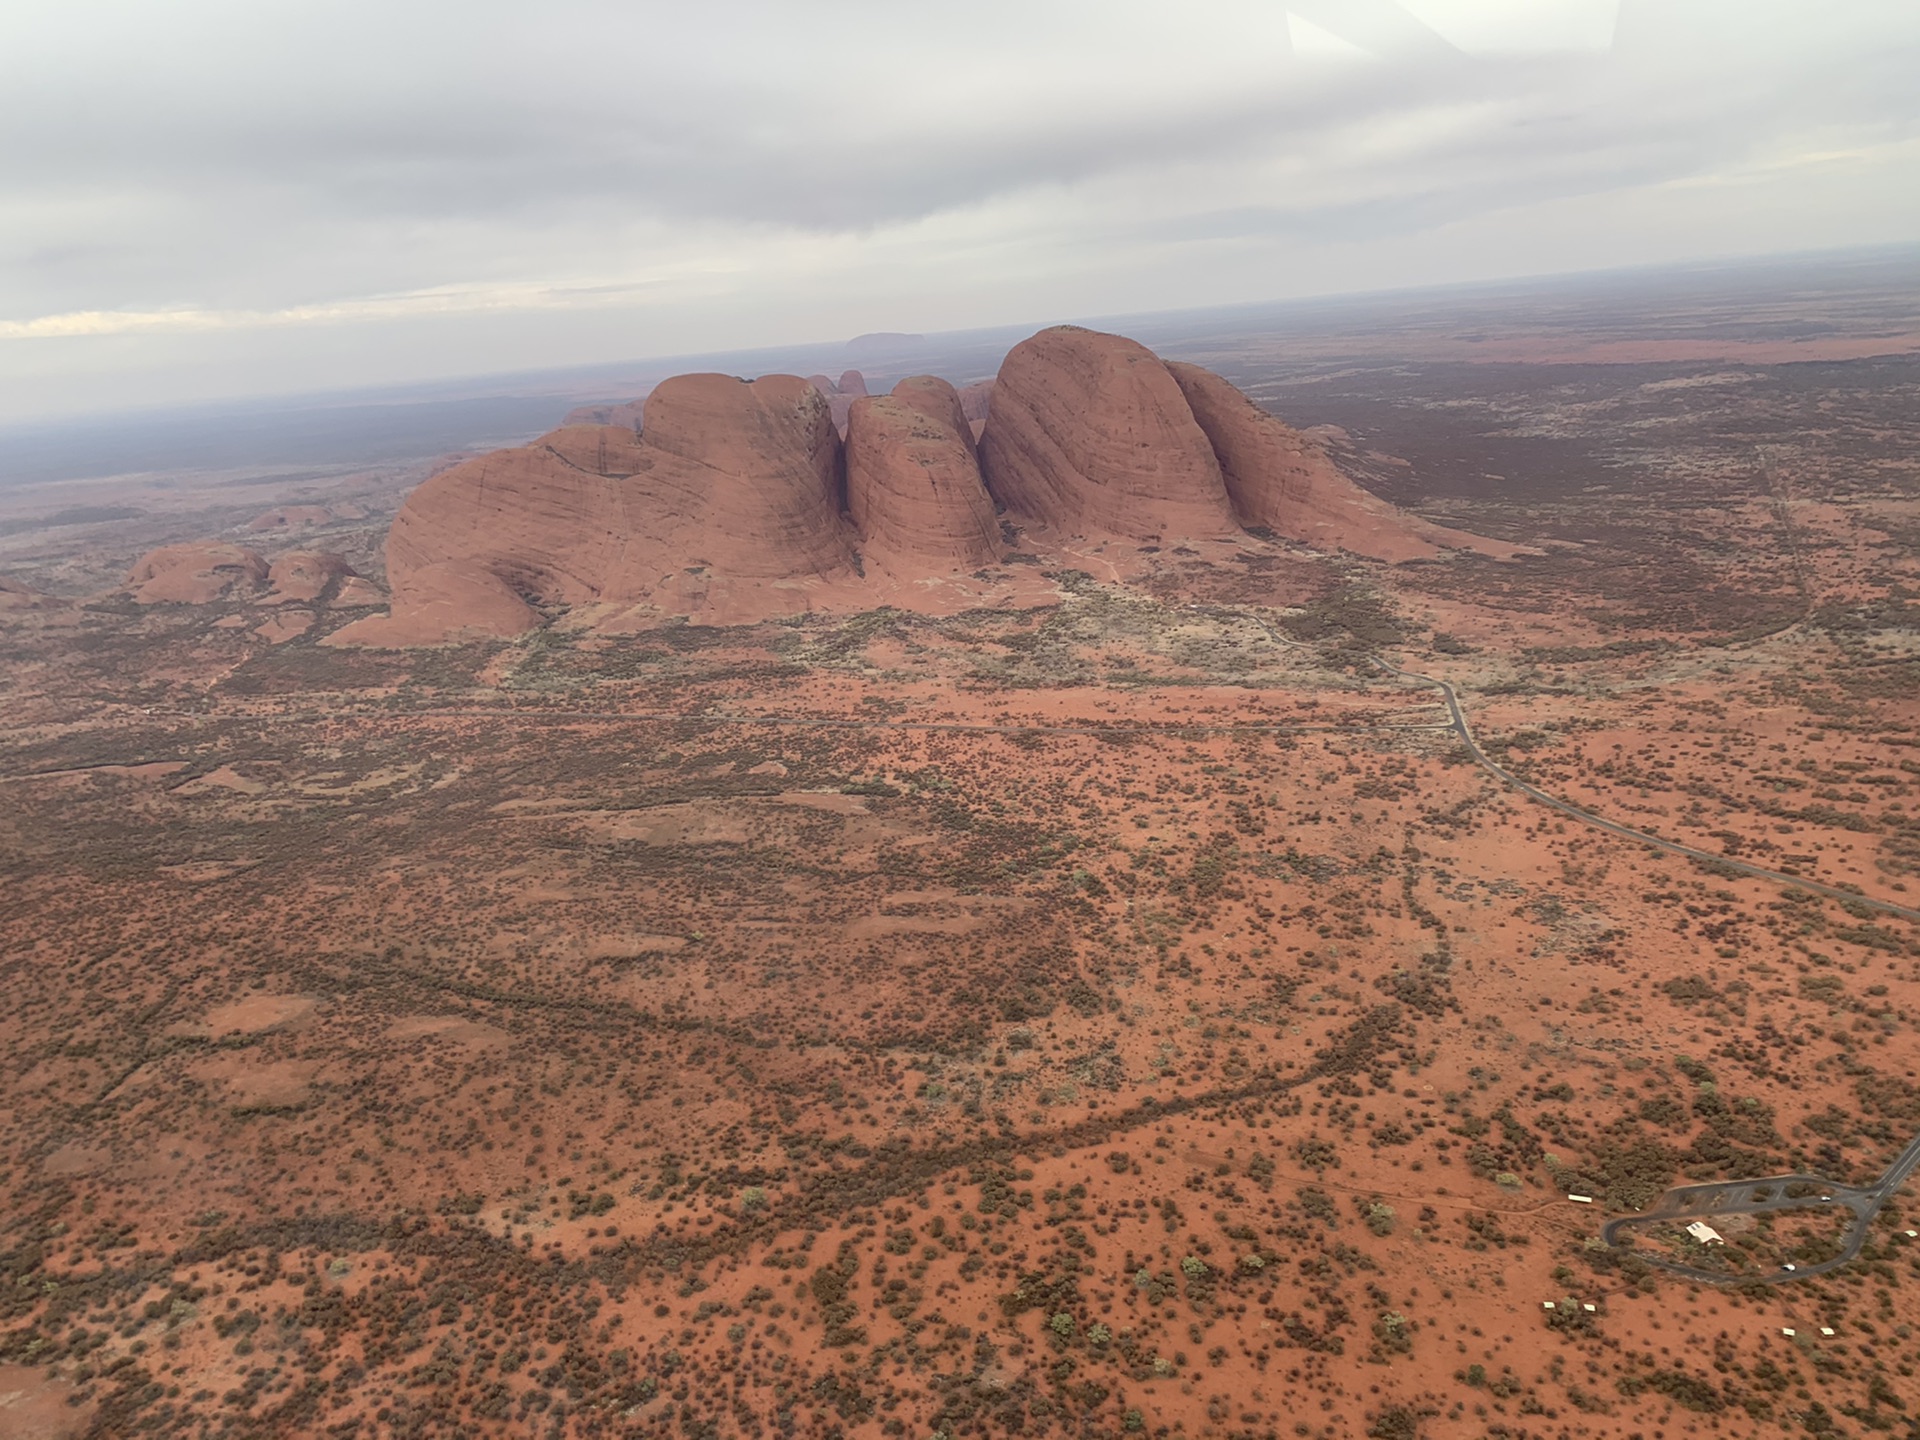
pixel 206 198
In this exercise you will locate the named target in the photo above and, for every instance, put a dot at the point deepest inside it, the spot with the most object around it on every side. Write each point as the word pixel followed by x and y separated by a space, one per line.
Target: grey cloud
pixel 217 154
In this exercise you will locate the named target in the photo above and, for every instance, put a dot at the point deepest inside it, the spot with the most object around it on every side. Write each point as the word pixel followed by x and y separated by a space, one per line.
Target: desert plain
pixel 1114 1005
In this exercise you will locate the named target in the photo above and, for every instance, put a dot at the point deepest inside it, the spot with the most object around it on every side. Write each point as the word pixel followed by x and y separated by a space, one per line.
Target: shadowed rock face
pixel 196 573
pixel 976 399
pixel 1280 480
pixel 913 483
pixel 1090 434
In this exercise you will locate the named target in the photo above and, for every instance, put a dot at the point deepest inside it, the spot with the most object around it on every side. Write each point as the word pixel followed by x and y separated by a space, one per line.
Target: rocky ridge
pixel 739 500
pixel 202 572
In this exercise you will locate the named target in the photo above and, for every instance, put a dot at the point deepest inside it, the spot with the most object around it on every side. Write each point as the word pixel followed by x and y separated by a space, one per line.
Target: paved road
pixel 1762 1196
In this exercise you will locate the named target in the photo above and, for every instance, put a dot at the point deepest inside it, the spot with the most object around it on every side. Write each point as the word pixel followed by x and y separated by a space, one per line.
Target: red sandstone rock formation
pixel 357 592
pixel 938 401
pixel 1280 480
pixel 302 577
pixel 913 482
pixel 726 506
pixel 196 573
pixel 600 449
pixel 759 466
pixel 1090 434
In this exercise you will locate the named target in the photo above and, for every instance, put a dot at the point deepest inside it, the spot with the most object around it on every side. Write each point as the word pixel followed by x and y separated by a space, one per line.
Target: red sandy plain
pixel 1117 1020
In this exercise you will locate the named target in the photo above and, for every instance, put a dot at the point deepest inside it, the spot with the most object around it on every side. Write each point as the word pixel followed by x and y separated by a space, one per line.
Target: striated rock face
pixel 474 544
pixel 1280 480
pixel 196 573
pixel 301 577
pixel 600 449
pixel 938 401
pixel 1090 434
pixel 913 482
pixel 538 522
pixel 752 469
pixel 725 506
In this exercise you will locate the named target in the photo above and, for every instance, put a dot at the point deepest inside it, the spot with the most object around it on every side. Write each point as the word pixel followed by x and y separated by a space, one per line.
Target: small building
pixel 1704 1233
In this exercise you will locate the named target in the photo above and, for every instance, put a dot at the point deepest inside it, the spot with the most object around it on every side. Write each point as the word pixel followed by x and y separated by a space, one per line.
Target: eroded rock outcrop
pixel 196 573
pixel 913 481
pixel 1280 480
pixel 303 577
pixel 1090 434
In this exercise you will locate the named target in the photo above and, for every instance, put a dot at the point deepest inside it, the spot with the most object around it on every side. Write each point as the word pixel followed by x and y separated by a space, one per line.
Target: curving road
pixel 1757 1197
pixel 1736 1197
pixel 1458 725
pixel 1627 832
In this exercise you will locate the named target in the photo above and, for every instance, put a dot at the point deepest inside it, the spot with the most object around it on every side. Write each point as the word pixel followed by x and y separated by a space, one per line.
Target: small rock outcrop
pixel 197 573
pixel 913 481
pixel 304 577
pixel 1089 433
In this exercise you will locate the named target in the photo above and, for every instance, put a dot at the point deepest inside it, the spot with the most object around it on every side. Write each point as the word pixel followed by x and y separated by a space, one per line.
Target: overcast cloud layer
pixel 215 197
